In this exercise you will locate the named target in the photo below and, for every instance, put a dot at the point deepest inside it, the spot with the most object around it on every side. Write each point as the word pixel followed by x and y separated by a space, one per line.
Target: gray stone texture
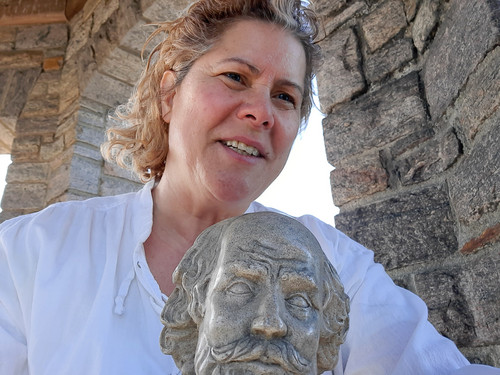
pixel 461 306
pixel 42 36
pixel 432 158
pixel 358 177
pixel 15 85
pixel 425 22
pixel 85 174
pixel 480 97
pixel 388 59
pixel 375 119
pixel 409 229
pixel 385 22
pixel 474 188
pixel 453 56
pixel 340 76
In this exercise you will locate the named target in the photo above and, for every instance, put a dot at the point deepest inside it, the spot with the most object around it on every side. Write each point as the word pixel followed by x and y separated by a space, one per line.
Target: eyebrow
pixel 292 280
pixel 256 71
pixel 251 273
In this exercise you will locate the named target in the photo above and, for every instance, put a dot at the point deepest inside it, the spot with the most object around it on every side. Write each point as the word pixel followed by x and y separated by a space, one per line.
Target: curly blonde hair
pixel 141 144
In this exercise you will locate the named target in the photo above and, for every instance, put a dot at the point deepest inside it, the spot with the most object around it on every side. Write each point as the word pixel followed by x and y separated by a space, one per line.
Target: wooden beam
pixel 30 12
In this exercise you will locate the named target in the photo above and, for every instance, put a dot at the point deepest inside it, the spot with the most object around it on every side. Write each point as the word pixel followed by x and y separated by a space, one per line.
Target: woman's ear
pixel 167 93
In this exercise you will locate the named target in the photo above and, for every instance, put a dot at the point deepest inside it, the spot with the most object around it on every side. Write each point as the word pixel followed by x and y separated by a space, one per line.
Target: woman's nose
pixel 257 109
pixel 268 322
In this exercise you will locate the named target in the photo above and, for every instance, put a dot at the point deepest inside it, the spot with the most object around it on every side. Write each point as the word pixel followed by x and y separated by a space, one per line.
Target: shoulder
pixel 70 224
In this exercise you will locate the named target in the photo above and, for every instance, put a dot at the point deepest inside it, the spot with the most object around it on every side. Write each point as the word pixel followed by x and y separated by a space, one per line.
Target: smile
pixel 242 148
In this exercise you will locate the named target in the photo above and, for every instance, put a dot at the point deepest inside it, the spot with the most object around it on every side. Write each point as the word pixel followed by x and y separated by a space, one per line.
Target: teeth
pixel 242 148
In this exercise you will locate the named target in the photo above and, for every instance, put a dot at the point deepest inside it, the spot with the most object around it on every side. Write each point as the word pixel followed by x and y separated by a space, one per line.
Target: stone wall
pixel 410 89
pixel 411 92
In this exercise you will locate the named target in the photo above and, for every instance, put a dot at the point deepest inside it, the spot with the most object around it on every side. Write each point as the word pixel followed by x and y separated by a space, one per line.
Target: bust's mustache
pixel 277 352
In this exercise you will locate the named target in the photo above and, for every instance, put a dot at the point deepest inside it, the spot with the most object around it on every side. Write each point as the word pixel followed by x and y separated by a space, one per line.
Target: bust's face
pixel 262 310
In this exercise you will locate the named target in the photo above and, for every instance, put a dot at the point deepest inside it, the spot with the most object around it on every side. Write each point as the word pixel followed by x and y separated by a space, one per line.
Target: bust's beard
pixel 242 356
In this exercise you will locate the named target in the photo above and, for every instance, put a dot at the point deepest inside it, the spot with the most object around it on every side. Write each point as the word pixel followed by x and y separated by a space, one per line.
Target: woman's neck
pixel 178 218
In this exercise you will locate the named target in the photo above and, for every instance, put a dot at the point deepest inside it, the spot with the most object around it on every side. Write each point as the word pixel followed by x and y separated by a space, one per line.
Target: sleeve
pixel 13 347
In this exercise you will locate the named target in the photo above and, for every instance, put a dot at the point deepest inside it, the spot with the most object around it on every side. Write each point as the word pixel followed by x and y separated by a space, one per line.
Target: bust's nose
pixel 268 322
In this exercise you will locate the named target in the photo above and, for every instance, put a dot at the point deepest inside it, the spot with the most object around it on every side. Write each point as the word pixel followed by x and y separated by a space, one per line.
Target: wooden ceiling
pixel 32 12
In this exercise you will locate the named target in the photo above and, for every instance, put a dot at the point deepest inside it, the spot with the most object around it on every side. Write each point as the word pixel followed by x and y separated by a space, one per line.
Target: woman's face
pixel 234 117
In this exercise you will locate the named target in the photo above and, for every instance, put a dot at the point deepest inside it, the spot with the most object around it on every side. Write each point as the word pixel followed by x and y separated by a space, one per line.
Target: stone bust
pixel 255 294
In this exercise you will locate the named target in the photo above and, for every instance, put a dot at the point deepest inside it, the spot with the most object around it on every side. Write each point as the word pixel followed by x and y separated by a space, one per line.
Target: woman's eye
pixel 285 97
pixel 234 76
pixel 298 301
pixel 239 289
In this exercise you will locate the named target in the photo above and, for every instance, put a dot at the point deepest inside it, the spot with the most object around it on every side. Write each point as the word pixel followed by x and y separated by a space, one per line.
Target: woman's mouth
pixel 242 148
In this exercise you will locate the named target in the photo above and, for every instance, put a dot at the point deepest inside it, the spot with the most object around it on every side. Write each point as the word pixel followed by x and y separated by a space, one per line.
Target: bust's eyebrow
pixel 297 281
pixel 253 273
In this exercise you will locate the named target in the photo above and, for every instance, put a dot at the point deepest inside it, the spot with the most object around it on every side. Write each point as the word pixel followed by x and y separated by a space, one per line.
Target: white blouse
pixel 77 297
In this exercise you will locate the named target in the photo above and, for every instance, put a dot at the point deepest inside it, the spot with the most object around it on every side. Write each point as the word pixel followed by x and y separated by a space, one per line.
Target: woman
pixel 210 125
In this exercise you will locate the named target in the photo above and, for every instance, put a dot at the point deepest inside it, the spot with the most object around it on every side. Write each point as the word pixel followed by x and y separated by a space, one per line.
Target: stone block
pixel 327 7
pixel 84 175
pixel 334 22
pixel 43 106
pixel 410 8
pixel 375 119
pixel 24 196
pixel 165 10
pixel 87 151
pixel 480 278
pixel 412 228
pixel 113 170
pixel 52 150
pixel 42 36
pixel 21 60
pixel 466 33
pixel 28 172
pixel 59 182
pixel 25 147
pixel 386 21
pixel 463 302
pixel 7 34
pixel 19 86
pixel 480 98
pixel 411 141
pixel 89 117
pixel 102 12
pixel 388 59
pixel 123 66
pixel 475 185
pixel 429 160
pixel 340 77
pixel 53 63
pixel 90 135
pixel 80 32
pixel 449 311
pixel 37 125
pixel 358 177
pixel 113 186
pixel 106 90
pixel 487 355
pixel 425 22
pixel 135 38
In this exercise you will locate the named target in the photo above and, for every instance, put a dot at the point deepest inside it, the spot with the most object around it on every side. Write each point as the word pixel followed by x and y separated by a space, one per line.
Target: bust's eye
pixel 239 288
pixel 298 300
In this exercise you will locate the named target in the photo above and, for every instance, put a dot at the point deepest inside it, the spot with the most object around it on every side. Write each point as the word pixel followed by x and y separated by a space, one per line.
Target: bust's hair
pixel 141 143
pixel 184 310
